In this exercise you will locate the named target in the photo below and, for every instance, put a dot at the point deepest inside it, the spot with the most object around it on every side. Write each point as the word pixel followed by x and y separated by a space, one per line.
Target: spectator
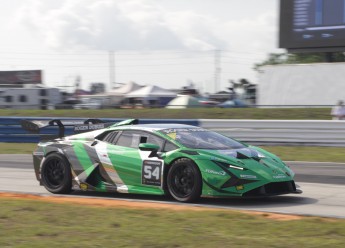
pixel 338 111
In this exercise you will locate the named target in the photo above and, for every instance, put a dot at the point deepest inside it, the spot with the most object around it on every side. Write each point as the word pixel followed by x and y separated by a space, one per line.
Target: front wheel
pixel 56 174
pixel 184 181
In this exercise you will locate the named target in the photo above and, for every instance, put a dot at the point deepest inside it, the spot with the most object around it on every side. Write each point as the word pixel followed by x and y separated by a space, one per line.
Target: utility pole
pixel 217 70
pixel 111 69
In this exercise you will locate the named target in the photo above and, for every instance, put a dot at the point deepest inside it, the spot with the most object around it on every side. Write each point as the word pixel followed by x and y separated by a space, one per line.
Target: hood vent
pixel 190 152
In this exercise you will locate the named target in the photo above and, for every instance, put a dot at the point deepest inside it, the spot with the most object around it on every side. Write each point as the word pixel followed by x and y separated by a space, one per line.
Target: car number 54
pixel 152 172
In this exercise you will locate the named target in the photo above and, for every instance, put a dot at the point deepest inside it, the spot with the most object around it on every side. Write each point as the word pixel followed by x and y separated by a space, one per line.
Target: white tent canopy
pixel 184 101
pixel 124 89
pixel 151 92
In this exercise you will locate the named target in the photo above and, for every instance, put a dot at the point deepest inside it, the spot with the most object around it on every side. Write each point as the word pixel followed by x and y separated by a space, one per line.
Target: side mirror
pixel 148 147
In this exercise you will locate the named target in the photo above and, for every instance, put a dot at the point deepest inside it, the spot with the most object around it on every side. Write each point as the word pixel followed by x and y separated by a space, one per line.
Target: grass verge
pixel 189 113
pixel 17 148
pixel 27 223
pixel 308 153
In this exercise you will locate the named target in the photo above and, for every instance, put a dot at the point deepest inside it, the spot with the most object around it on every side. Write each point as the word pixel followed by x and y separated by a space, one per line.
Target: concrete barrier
pixel 286 132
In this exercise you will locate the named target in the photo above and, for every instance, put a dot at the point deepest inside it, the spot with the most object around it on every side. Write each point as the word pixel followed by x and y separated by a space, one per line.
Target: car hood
pixel 251 158
pixel 236 154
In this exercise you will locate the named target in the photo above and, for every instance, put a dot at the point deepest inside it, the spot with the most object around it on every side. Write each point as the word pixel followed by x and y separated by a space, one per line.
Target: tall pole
pixel 217 70
pixel 111 69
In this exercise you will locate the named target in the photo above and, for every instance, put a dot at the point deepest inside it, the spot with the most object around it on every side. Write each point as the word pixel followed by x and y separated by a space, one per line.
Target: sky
pixel 151 42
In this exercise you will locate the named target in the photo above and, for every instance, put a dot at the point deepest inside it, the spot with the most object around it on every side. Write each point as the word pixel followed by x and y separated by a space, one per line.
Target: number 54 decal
pixel 151 173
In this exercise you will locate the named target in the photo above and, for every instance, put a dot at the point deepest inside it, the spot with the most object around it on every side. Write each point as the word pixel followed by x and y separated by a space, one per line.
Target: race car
pixel 184 161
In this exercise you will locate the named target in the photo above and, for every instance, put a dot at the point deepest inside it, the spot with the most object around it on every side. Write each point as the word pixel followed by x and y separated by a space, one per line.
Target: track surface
pixel 323 186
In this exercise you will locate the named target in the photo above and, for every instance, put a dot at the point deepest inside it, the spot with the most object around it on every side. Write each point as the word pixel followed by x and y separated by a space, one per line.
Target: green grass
pixel 191 113
pixel 17 148
pixel 308 153
pixel 286 153
pixel 26 223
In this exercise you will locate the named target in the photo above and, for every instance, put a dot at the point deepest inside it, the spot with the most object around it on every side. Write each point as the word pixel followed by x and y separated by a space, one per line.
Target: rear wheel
pixel 184 181
pixel 56 174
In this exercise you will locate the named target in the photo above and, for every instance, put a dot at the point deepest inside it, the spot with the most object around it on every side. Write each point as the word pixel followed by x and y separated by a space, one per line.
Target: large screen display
pixel 21 77
pixel 318 25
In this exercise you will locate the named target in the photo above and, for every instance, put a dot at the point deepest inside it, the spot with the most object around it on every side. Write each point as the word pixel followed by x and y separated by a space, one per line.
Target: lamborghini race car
pixel 186 162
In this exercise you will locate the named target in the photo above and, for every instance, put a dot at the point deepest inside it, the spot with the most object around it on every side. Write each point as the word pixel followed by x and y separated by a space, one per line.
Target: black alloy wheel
pixel 184 180
pixel 56 174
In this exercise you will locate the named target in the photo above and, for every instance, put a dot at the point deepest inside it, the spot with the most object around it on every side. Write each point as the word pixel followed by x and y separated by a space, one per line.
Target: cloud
pixel 197 31
pixel 118 25
pixel 145 25
pixel 258 33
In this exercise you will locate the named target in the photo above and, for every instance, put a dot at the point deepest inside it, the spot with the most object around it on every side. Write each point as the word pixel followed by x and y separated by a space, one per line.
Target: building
pixel 301 84
pixel 29 98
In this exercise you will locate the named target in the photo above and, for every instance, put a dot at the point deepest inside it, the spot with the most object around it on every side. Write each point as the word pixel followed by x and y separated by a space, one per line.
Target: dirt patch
pixel 274 216
pixel 136 205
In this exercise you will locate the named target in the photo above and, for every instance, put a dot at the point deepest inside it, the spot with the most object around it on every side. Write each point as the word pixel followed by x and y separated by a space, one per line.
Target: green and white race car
pixel 186 162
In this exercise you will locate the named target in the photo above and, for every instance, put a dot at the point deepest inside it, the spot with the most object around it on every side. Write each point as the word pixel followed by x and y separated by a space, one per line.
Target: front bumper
pixel 274 188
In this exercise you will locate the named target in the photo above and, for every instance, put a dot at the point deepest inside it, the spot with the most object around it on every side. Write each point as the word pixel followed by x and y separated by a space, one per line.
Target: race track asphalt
pixel 323 186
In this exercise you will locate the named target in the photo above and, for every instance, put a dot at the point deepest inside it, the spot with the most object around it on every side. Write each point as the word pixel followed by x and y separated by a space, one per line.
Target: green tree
pixel 301 58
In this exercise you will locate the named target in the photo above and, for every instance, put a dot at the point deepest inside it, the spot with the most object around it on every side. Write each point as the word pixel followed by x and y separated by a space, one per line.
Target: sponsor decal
pixel 96 126
pixel 248 176
pixel 38 153
pixel 240 187
pixel 172 130
pixel 172 135
pixel 279 176
pixel 151 173
pixel 81 128
pixel 220 173
pixel 88 127
pixel 83 186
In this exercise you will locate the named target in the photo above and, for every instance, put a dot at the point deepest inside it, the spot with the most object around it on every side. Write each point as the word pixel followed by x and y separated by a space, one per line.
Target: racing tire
pixel 56 174
pixel 184 181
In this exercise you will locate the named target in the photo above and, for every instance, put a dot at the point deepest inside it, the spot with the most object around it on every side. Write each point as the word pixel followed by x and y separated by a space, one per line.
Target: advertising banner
pixel 21 77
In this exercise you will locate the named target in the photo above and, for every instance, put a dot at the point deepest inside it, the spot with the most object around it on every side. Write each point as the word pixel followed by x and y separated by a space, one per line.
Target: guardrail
pixel 287 132
pixel 133 106
pixel 12 132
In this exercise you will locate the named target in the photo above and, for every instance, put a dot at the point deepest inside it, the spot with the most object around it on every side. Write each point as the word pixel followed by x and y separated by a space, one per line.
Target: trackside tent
pixel 125 89
pixel 152 95
pixel 185 101
pixel 118 94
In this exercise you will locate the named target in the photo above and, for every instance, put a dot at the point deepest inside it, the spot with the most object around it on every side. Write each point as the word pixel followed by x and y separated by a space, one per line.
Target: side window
pixel 110 137
pixel 134 138
pixel 129 139
pixel 169 147
pixel 153 139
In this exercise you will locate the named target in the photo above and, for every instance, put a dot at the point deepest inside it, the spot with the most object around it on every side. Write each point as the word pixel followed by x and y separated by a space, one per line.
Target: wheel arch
pixel 48 177
pixel 167 167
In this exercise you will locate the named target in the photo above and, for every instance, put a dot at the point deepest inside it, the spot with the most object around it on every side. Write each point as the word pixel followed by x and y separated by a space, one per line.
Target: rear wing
pixel 79 126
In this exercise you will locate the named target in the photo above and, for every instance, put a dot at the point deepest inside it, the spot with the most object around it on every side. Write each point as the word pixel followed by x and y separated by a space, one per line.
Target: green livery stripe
pixel 83 157
pixel 100 186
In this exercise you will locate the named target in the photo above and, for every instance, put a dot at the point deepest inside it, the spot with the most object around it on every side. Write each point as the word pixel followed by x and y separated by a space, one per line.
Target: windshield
pixel 199 138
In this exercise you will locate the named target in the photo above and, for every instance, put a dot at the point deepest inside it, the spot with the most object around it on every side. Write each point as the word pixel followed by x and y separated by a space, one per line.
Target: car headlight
pixel 235 167
pixel 260 155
